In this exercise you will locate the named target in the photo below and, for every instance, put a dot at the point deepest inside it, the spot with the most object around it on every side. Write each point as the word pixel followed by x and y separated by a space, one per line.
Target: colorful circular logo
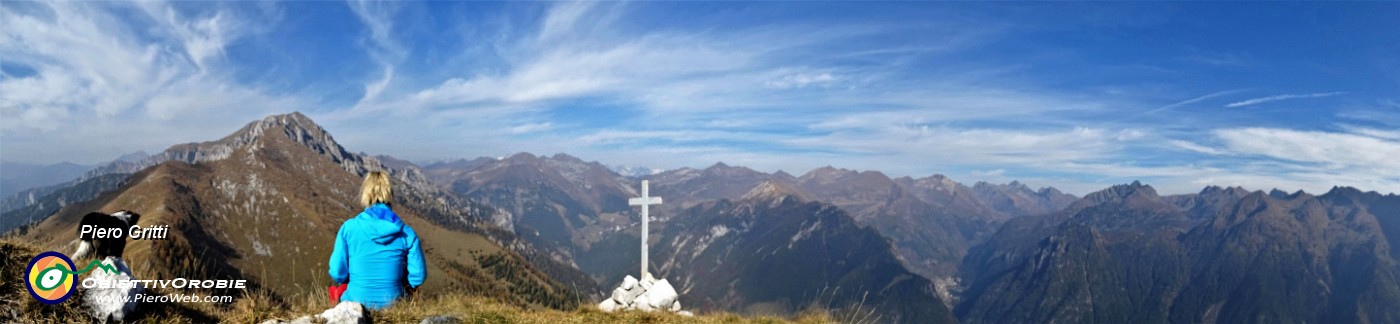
pixel 50 277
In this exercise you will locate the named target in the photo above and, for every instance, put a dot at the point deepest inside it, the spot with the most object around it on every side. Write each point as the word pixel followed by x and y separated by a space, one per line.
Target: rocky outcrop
pixel 645 295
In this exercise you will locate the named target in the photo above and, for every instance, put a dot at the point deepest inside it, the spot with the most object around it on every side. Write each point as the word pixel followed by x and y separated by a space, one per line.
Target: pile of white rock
pixel 344 313
pixel 646 295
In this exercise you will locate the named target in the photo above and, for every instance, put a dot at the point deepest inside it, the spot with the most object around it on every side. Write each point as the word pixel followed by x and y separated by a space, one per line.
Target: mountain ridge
pixel 805 253
pixel 259 200
pixel 1124 254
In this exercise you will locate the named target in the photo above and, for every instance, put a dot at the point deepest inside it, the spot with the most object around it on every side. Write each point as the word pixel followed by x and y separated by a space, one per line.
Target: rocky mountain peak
pixel 1122 193
pixel 522 157
pixel 1350 195
pixel 719 168
pixel 1338 191
pixel 1016 198
pixel 634 171
pixel 824 174
pixel 774 191
pixel 1235 191
pixel 938 182
pixel 783 175
pixel 295 126
pixel 561 157
pixel 133 157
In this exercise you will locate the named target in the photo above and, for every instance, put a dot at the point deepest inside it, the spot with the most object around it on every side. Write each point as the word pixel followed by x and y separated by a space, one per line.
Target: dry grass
pixel 255 307
pixel 479 310
pixel 15 303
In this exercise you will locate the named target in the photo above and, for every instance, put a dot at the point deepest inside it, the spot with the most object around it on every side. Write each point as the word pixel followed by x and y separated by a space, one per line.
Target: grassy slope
pixel 218 233
pixel 17 306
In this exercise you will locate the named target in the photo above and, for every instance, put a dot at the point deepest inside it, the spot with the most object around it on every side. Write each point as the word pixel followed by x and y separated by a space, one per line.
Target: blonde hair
pixel 376 189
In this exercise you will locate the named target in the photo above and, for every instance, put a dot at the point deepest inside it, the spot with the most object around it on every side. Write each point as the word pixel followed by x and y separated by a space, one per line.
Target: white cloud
pixel 718 95
pixel 995 175
pixel 1393 135
pixel 1267 158
pixel 113 78
pixel 1331 150
pixel 1392 103
pixel 1184 103
pixel 1189 146
pixel 570 19
pixel 802 80
pixel 202 38
pixel 637 68
pixel 530 128
pixel 1257 101
pixel 377 16
pixel 976 146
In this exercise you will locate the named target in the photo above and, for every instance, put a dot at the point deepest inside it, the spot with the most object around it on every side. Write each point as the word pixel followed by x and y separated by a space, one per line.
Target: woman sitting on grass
pixel 376 249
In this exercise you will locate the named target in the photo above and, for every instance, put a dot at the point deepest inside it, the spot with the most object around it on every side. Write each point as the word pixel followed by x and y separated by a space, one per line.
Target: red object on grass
pixel 335 291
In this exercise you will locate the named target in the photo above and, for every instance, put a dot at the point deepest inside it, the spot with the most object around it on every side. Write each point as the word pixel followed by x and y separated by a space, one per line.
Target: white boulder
pixel 661 295
pixel 608 305
pixel 642 304
pixel 624 296
pixel 676 306
pixel 111 303
pixel 628 283
pixel 345 313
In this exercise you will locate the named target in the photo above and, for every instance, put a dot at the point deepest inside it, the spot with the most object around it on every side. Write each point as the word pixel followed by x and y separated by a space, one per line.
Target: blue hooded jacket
pixel 376 252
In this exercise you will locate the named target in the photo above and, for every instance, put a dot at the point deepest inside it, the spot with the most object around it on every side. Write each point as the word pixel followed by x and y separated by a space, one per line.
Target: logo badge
pixel 50 277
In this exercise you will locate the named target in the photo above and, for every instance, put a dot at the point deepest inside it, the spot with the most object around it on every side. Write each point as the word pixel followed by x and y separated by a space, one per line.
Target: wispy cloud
pixel 1264 158
pixel 1197 99
pixel 1182 103
pixel 530 128
pixel 136 76
pixel 1189 146
pixel 377 16
pixel 1268 99
pixel 802 80
pixel 762 97
pixel 1328 149
pixel 770 86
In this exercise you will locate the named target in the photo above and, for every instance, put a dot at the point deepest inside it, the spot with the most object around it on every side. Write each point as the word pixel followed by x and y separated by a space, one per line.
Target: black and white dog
pixel 108 303
pixel 95 222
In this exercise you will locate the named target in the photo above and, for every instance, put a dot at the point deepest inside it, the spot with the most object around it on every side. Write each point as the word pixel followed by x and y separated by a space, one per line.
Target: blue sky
pixel 1073 95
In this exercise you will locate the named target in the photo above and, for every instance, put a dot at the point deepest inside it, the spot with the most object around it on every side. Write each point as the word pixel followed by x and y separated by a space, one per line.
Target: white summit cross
pixel 645 201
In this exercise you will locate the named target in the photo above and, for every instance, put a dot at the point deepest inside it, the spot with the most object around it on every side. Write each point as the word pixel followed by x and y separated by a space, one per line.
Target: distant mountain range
pixel 553 230
pixel 634 172
pixel 20 176
pixel 1127 255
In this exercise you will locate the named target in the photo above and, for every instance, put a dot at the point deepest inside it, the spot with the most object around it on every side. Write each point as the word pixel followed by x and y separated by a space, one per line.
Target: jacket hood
pixel 384 225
